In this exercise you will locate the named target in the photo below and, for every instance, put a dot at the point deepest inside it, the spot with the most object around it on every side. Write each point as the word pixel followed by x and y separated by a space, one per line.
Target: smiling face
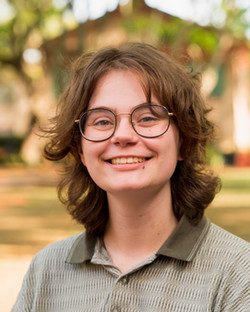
pixel 128 161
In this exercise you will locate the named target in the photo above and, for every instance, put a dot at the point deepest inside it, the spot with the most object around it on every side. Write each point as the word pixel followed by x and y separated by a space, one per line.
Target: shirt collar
pixel 185 240
pixel 182 243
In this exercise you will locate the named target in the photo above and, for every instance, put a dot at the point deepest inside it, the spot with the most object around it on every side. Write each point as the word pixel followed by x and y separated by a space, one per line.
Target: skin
pixel 138 192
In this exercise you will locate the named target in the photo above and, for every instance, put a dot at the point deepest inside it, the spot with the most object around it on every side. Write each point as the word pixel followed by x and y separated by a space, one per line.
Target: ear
pixel 180 158
pixel 80 151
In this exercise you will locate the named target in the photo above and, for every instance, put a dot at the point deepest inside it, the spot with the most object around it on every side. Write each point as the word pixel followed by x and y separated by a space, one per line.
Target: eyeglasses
pixel 147 120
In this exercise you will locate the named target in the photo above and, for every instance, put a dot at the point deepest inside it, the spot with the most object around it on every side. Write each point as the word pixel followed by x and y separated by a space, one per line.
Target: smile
pixel 127 160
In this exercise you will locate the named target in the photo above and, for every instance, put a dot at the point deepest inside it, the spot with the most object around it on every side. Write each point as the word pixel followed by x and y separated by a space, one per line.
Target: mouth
pixel 127 160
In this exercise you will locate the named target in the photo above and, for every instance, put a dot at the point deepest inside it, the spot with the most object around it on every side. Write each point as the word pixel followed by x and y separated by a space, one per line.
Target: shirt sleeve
pixel 25 297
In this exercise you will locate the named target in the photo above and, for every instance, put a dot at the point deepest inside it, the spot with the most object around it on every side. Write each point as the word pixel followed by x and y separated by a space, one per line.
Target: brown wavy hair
pixel 193 187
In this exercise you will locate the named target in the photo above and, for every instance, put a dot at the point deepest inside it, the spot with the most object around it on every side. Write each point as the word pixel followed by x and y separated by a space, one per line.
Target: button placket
pixel 125 280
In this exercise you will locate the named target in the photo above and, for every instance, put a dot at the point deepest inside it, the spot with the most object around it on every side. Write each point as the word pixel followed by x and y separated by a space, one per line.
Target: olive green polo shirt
pixel 199 268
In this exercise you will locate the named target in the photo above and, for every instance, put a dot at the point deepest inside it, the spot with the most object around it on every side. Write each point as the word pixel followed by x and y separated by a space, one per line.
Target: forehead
pixel 119 86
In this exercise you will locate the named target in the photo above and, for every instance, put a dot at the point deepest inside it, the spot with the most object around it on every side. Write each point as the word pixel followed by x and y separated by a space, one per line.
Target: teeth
pixel 129 160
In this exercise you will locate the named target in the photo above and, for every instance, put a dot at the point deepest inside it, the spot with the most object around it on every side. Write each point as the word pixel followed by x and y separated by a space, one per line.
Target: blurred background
pixel 39 38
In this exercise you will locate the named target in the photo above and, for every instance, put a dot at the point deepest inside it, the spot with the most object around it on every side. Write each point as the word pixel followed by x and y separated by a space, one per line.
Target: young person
pixel 133 129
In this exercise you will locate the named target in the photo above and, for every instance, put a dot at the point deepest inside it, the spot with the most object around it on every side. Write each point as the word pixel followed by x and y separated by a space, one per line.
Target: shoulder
pixel 50 262
pixel 226 248
pixel 226 240
pixel 57 251
pixel 45 273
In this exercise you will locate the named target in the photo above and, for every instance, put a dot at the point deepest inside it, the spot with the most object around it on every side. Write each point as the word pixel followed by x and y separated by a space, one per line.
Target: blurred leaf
pixel 31 15
pixel 206 39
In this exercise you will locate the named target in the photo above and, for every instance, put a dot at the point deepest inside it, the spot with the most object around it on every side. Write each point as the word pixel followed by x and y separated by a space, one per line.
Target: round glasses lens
pixel 150 120
pixel 97 124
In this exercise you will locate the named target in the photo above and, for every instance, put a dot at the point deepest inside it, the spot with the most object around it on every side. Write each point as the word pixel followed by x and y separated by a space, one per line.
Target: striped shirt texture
pixel 199 268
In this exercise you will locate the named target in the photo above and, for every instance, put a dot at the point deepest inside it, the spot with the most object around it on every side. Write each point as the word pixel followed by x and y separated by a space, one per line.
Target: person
pixel 132 129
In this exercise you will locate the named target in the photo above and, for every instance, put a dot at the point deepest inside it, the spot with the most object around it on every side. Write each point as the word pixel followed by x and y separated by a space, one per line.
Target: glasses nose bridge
pixel 124 114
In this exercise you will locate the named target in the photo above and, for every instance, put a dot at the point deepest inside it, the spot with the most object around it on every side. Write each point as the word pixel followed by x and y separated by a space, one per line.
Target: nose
pixel 124 132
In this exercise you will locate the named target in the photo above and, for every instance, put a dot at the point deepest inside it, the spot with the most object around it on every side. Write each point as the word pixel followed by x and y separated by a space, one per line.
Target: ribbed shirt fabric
pixel 199 268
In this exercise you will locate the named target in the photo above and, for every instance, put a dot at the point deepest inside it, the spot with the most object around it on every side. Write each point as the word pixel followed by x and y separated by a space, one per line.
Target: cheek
pixel 91 152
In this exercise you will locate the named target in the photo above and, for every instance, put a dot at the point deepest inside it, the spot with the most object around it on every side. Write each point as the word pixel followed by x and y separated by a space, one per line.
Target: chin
pixel 127 188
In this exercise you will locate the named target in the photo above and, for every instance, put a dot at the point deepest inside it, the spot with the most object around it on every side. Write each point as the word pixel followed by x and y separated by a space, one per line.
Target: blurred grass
pixel 32 217
pixel 231 207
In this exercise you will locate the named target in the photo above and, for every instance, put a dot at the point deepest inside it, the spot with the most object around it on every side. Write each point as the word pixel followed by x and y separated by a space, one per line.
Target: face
pixel 128 161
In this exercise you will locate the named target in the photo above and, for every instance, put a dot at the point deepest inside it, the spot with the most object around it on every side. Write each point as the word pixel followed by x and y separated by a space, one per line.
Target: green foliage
pixel 165 31
pixel 37 21
pixel 207 39
pixel 31 18
pixel 170 31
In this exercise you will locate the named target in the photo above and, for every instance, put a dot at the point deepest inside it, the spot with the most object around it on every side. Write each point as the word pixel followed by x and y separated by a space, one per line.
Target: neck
pixel 138 226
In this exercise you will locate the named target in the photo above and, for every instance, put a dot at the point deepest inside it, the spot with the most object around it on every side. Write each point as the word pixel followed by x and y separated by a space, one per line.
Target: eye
pixel 100 119
pixel 147 119
pixel 103 123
